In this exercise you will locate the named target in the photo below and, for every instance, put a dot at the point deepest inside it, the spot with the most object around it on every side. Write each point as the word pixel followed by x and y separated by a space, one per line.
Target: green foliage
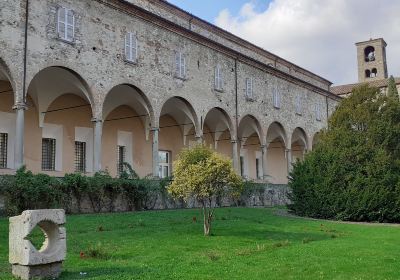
pixel 354 171
pixel 392 89
pixel 204 175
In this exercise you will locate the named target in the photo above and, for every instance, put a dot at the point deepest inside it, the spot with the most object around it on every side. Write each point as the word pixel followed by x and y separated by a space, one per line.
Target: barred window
pixel 121 159
pixel 164 169
pixel 80 157
pixel 48 154
pixel 249 88
pixel 242 166
pixel 180 65
pixel 66 24
pixel 258 167
pixel 130 47
pixel 218 82
pixel 3 150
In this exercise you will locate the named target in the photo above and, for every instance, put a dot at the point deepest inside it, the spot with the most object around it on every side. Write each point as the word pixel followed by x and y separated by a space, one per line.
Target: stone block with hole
pixel 29 262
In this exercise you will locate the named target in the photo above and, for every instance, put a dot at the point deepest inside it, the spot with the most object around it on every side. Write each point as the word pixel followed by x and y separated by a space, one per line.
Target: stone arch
pixel 5 74
pixel 52 82
pixel 254 124
pixel 369 54
pixel 299 143
pixel 218 130
pixel 277 153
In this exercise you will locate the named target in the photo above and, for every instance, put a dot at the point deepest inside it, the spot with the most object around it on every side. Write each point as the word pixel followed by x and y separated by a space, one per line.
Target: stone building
pixel 372 67
pixel 87 85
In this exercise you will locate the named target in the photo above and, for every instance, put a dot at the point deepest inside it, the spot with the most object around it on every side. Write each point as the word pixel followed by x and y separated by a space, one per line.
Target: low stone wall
pixel 258 196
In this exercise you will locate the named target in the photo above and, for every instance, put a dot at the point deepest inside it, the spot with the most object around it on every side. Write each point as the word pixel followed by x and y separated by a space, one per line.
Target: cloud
pixel 319 35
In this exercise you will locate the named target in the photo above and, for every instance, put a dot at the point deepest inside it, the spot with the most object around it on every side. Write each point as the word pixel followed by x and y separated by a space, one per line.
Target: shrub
pixel 354 171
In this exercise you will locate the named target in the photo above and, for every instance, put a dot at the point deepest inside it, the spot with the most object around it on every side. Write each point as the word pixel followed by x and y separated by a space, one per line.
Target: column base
pixel 44 271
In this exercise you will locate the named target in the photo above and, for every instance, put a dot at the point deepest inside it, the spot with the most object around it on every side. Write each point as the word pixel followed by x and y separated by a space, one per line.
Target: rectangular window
pixel 130 47
pixel 276 99
pixel 80 157
pixel 318 111
pixel 249 88
pixel 66 24
pixel 258 168
pixel 3 150
pixel 180 65
pixel 242 166
pixel 48 154
pixel 299 108
pixel 218 83
pixel 121 159
pixel 164 169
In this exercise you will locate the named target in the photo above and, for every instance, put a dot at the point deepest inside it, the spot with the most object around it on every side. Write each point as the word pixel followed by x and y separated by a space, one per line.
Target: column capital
pixel 20 106
pixel 96 120
pixel 154 129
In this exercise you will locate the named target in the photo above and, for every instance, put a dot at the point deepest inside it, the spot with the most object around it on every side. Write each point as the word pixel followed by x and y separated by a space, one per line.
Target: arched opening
pixel 367 73
pixel 127 115
pixel 299 144
pixel 277 154
pixel 7 120
pixel 217 131
pixel 374 73
pixel 369 54
pixel 178 128
pixel 250 136
pixel 58 127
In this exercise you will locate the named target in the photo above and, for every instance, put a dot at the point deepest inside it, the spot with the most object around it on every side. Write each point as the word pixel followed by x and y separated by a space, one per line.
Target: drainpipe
pixel 25 50
pixel 235 142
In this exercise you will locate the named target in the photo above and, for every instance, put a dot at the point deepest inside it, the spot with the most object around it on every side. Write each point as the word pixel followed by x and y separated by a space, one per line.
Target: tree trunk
pixel 207 220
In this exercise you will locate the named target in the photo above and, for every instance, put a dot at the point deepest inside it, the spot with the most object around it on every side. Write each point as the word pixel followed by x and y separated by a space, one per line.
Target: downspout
pixel 327 111
pixel 25 51
pixel 236 101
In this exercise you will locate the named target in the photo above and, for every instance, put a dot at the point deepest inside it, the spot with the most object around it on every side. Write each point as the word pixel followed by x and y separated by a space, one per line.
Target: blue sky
pixel 209 9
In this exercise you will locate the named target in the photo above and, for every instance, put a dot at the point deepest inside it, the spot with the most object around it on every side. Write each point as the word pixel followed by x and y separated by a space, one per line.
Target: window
pixel 48 154
pixel 121 159
pixel 164 169
pixel 249 88
pixel 369 54
pixel 66 24
pixel 3 150
pixel 218 83
pixel 318 111
pixel 130 47
pixel 80 157
pixel 298 106
pixel 180 65
pixel 242 166
pixel 258 168
pixel 276 99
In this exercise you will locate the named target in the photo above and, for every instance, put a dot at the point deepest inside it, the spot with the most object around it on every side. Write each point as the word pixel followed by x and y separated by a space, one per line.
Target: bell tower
pixel 371 57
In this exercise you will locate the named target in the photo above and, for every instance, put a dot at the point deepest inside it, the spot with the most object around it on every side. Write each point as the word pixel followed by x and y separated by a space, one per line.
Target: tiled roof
pixel 346 89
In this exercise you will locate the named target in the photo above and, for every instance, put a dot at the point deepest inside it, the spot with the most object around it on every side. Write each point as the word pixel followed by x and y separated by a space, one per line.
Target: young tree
pixel 202 174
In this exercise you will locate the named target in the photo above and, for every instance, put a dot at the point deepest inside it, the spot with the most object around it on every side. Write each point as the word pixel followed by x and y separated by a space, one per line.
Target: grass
pixel 246 244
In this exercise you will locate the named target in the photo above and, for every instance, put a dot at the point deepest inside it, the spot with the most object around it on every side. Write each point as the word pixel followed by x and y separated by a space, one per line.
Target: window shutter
pixel 183 66
pixel 249 88
pixel 70 25
pixel 61 23
pixel 177 64
pixel 134 47
pixel 298 104
pixel 216 82
pixel 128 46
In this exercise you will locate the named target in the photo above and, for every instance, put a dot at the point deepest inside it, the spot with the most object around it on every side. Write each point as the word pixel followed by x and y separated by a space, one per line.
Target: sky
pixel 318 35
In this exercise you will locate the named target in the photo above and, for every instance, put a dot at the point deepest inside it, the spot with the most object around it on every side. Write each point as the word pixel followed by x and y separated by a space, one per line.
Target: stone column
pixel 98 132
pixel 264 161
pixel 19 134
pixel 155 159
pixel 235 157
pixel 289 160
pixel 199 139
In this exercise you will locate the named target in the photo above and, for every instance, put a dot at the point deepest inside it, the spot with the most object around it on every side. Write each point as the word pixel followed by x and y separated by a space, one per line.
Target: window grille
pixel 66 24
pixel 242 166
pixel 48 154
pixel 180 65
pixel 121 159
pixel 298 105
pixel 258 168
pixel 80 157
pixel 3 150
pixel 131 47
pixel 218 82
pixel 164 169
pixel 249 88
pixel 277 99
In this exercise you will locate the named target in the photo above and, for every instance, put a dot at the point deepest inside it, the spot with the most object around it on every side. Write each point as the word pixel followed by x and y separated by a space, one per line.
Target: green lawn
pixel 247 244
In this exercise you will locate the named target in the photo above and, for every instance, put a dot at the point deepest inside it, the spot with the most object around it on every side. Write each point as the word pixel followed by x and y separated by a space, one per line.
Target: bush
pixel 354 171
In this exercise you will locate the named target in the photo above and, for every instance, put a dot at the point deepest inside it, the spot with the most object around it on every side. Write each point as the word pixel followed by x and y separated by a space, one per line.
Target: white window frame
pixel 180 65
pixel 218 80
pixel 276 99
pixel 131 47
pixel 62 25
pixel 161 165
pixel 298 105
pixel 249 88
pixel 318 115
